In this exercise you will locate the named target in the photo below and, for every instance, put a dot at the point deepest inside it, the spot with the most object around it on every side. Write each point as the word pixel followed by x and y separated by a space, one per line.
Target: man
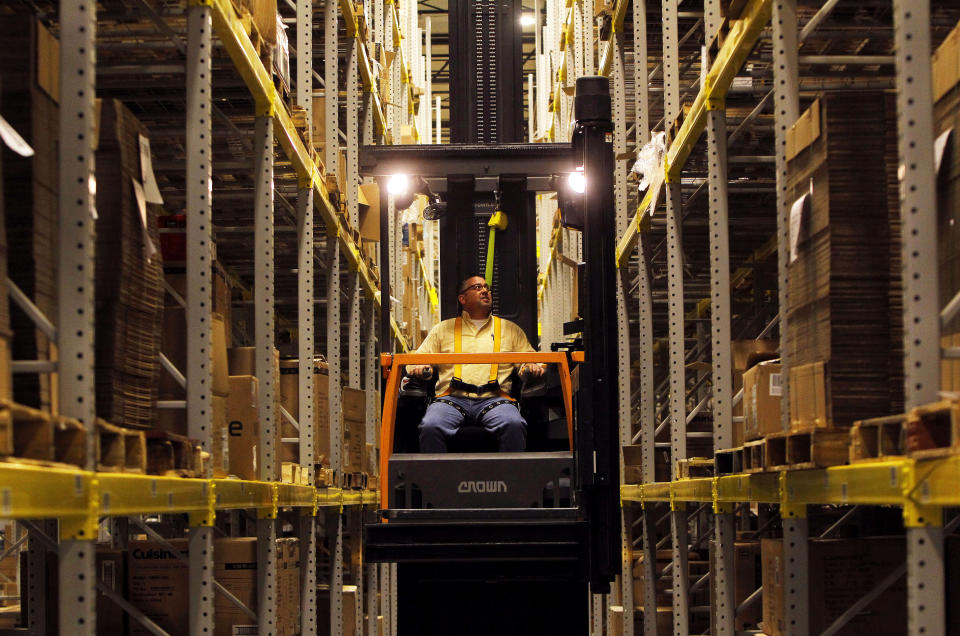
pixel 476 391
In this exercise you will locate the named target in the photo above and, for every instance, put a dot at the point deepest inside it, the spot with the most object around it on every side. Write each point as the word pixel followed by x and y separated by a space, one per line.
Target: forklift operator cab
pixel 473 474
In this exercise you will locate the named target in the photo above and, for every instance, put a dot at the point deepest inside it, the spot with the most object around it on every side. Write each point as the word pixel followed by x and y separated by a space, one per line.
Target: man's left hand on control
pixel 534 370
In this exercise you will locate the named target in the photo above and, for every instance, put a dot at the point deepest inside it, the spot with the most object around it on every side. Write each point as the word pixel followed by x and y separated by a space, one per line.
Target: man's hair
pixel 462 288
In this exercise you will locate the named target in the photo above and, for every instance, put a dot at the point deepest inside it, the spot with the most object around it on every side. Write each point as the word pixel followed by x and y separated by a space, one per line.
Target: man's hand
pixel 421 371
pixel 534 370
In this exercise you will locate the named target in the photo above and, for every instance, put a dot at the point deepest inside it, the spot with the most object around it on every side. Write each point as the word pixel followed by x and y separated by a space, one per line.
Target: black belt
pixel 492 386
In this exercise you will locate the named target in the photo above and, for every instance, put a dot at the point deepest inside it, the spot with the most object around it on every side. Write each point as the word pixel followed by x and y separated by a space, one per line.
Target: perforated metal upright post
pixel 264 338
pixel 199 257
pixel 722 569
pixel 787 107
pixel 647 416
pixel 678 432
pixel 918 212
pixel 75 278
pixel 619 111
pixel 305 326
pixel 586 16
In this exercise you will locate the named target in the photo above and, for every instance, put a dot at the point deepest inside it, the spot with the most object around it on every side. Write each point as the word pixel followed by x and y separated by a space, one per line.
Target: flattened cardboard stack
pixel 946 114
pixel 6 379
pixel 839 275
pixel 30 62
pixel 129 284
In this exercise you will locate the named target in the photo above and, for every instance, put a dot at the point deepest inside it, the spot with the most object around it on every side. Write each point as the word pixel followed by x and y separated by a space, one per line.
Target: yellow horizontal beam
pixel 641 220
pixel 122 494
pixel 32 491
pixel 237 43
pixel 35 492
pixel 740 39
pixel 906 483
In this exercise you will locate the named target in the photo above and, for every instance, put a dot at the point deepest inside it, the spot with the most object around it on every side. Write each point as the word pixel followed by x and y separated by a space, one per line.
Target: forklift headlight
pixel 398 185
pixel 577 182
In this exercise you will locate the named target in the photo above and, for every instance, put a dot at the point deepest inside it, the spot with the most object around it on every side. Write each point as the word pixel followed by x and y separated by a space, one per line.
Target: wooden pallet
pixel 933 430
pixel 70 441
pixel 324 477
pixel 878 439
pixel 355 481
pixel 753 456
pixel 119 449
pixel 173 455
pixel 25 432
pixel 694 467
pixel 728 461
pixel 813 448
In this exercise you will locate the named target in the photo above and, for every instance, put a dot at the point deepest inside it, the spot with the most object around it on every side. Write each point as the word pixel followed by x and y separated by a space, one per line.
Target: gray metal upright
pixel 352 179
pixel 678 418
pixel 647 416
pixel 787 107
pixel 334 523
pixel 199 260
pixel 723 565
pixel 75 274
pixel 618 89
pixel 918 212
pixel 306 346
pixel 263 292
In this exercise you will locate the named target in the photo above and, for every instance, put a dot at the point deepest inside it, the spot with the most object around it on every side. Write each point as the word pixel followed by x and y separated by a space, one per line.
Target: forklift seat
pixel 533 397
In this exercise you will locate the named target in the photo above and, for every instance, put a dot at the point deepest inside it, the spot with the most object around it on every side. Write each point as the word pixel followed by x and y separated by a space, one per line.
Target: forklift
pixel 488 542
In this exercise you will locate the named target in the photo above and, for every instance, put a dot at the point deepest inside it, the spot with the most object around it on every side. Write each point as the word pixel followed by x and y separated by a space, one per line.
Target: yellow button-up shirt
pixel 473 340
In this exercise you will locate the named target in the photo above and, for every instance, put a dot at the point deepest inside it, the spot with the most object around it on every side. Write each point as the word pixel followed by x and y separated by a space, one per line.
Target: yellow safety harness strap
pixel 492 383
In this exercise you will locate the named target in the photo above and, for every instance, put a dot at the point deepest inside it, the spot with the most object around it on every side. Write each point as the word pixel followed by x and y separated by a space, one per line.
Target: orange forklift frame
pixel 392 364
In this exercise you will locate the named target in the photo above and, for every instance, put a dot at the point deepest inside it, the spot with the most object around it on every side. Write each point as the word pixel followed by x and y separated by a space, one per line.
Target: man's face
pixel 475 296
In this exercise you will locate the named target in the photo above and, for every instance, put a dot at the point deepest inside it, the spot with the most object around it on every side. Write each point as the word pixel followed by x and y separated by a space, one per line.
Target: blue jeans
pixel 442 421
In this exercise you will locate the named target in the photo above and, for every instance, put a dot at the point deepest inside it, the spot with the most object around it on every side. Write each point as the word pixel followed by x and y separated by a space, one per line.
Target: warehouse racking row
pixel 686 266
pixel 204 75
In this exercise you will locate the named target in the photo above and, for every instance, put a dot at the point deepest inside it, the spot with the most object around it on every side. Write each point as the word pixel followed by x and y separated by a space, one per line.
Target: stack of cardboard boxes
pixel 840 333
pixel 129 283
pixel 946 111
pixel 158 585
pixel 30 60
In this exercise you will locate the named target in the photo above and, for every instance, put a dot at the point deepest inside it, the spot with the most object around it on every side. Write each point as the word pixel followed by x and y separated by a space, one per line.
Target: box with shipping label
pixel 762 391
pixel 158 584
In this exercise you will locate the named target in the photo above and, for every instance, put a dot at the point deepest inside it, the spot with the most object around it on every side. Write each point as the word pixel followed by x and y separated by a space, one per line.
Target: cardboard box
pixel 747 578
pixel 158 584
pixel 946 64
pixel 111 571
pixel 290 399
pixel 762 391
pixel 354 405
pixel 243 426
pixel 369 212
pixel 840 571
pixel 174 346
pixel 350 610
pixel 235 567
pixel 242 361
pixel 804 131
pixel 809 397
pixel 746 353
pixel 220 444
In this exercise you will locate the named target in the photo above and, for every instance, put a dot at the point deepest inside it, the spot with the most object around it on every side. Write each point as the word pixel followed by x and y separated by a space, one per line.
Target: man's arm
pixel 430 344
pixel 522 345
